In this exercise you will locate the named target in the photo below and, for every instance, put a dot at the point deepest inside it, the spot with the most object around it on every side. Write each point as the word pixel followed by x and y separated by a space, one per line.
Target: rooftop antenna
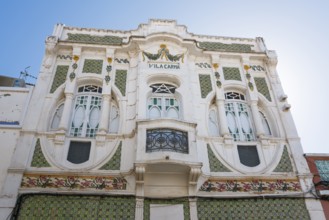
pixel 25 74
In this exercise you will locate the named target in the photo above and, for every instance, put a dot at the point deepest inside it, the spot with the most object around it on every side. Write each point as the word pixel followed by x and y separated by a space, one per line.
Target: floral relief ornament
pixel 104 183
pixel 108 69
pixel 254 186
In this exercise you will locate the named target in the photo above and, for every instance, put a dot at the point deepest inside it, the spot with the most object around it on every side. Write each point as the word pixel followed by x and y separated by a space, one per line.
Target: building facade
pixel 157 123
pixel 319 167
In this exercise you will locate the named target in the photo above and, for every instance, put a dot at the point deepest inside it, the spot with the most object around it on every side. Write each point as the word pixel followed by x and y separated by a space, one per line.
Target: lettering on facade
pixel 173 66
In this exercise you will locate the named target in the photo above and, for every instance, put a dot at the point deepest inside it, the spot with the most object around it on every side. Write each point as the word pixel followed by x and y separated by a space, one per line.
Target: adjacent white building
pixel 154 123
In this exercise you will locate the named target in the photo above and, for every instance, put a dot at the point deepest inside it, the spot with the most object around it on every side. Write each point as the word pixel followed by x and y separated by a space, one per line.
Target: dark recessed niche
pixel 79 152
pixel 248 155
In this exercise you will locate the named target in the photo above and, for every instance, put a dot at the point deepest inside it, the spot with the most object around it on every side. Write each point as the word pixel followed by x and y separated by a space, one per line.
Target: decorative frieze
pixel 121 60
pixel 64 57
pixel 73 182
pixel 257 186
pixel 203 65
pixel 257 68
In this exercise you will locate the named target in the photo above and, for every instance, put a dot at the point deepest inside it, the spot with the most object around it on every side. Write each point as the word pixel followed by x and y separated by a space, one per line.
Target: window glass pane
pixel 172 113
pixel 231 121
pixel 87 112
pixel 248 155
pixel 57 117
pixel 154 113
pixel 213 123
pixel 78 152
pixel 94 115
pixel 164 104
pixel 323 169
pixel 266 126
pixel 114 120
pixel 238 118
pixel 79 116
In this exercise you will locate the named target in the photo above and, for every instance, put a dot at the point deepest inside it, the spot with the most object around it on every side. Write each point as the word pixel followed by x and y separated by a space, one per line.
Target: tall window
pixel 266 126
pixel 114 119
pixel 57 117
pixel 213 122
pixel 163 103
pixel 87 111
pixel 238 117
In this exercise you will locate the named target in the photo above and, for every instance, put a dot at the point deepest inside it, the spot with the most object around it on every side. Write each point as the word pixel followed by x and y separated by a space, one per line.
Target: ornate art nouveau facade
pixel 131 124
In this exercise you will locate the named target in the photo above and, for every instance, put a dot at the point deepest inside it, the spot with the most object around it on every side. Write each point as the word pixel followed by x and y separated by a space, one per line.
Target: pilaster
pixel 139 211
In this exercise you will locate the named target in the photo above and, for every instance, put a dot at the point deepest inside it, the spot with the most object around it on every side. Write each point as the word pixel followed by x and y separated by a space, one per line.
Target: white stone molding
pixel 193 209
pixel 104 120
pixel 139 211
pixel 64 123
pixel 257 120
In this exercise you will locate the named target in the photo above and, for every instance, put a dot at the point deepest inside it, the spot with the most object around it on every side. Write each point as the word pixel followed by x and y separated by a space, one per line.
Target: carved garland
pixel 163 52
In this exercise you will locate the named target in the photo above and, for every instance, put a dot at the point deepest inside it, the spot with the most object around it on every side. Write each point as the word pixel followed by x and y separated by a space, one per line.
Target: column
pixel 69 90
pixel 64 123
pixel 193 209
pixel 139 210
pixel 257 119
pixel 222 117
pixel 104 120
pixel 106 96
pixel 220 98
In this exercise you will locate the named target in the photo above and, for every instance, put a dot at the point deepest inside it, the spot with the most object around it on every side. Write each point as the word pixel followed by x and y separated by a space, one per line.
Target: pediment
pixel 162 26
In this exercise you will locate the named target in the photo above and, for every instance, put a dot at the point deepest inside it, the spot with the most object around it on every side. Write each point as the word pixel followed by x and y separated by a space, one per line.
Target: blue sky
pixel 297 30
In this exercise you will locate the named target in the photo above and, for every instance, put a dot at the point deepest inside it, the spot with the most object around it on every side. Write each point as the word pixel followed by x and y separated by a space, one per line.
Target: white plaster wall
pixel 13 103
pixel 8 139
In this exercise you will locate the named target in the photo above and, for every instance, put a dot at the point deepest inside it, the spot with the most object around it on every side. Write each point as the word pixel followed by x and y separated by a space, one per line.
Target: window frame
pixel 235 107
pixel 163 98
pixel 90 98
pixel 61 104
pixel 266 125
pixel 213 108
